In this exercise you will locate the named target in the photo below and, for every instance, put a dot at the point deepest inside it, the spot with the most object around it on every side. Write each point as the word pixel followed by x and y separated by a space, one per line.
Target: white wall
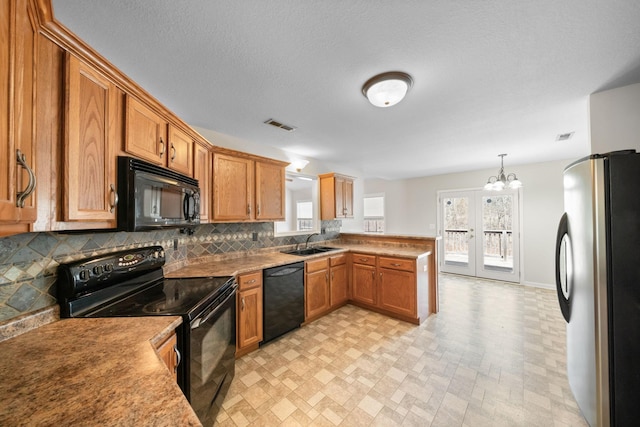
pixel 411 206
pixel 615 119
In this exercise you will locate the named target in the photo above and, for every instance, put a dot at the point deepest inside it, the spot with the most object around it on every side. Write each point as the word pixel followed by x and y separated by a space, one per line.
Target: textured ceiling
pixel 490 76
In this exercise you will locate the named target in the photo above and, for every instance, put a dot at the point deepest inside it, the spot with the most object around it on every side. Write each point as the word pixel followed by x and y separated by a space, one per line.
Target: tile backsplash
pixel 29 261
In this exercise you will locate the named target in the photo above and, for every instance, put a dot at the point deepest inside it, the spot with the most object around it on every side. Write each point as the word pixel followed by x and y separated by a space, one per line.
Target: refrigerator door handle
pixel 563 267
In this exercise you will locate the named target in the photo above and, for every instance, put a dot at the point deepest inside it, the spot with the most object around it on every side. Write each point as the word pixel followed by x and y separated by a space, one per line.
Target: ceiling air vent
pixel 280 125
pixel 564 136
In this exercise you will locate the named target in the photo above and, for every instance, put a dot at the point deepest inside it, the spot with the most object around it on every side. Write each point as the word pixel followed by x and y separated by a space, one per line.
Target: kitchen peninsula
pixel 422 249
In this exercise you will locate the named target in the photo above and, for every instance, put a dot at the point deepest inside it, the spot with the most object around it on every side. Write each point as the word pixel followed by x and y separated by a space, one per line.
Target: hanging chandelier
pixel 502 181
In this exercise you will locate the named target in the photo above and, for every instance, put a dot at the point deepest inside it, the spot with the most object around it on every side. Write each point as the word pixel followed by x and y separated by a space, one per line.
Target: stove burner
pixel 155 307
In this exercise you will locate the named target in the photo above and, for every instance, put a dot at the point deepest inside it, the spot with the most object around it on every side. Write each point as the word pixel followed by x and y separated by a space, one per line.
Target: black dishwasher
pixel 283 308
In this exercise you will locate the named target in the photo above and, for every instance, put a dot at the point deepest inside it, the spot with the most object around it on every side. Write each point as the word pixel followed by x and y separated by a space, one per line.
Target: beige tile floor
pixel 493 356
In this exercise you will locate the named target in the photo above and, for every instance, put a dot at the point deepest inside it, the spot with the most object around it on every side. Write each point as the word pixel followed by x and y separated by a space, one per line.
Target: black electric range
pixel 131 283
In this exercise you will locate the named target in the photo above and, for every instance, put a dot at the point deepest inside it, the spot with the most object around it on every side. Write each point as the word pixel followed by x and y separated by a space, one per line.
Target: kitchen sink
pixel 310 251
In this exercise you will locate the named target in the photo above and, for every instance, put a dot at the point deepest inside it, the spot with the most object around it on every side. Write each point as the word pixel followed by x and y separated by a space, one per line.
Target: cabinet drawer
pixel 250 280
pixel 316 264
pixel 338 259
pixel 363 259
pixel 398 263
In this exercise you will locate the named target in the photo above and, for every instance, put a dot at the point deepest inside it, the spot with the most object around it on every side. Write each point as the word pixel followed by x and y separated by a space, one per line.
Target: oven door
pixel 164 202
pixel 211 360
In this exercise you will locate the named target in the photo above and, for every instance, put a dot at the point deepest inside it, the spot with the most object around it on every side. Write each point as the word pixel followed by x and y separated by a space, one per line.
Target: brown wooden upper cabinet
pixel 150 137
pixel 247 190
pixel 202 165
pixel 90 148
pixel 336 196
pixel 18 53
pixel 270 197
pixel 180 154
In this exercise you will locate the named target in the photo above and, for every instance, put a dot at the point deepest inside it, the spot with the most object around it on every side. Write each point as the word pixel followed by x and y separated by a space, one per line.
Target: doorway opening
pixel 480 233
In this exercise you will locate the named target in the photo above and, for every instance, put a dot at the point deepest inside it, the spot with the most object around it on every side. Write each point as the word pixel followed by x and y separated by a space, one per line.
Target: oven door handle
pixel 200 320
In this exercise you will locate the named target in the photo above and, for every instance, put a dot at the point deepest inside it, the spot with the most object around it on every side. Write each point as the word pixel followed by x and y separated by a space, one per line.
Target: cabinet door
pixel 397 291
pixel 363 284
pixel 180 151
pixel 269 192
pixel 168 353
pixel 232 188
pixel 90 166
pixel 146 133
pixel 18 47
pixel 341 209
pixel 339 285
pixel 249 317
pixel 202 172
pixel 347 193
pixel 317 299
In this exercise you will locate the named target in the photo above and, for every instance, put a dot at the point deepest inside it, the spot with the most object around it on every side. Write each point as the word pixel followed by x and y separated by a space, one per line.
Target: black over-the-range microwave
pixel 154 197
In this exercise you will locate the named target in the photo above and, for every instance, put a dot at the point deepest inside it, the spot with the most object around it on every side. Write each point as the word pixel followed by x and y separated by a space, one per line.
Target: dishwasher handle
pixel 284 271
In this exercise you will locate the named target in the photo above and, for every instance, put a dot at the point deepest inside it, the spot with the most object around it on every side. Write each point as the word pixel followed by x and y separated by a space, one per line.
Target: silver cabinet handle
pixel 173 152
pixel 395 264
pixel 161 151
pixel 326 277
pixel 251 281
pixel 22 195
pixel 242 303
pixel 115 198
pixel 373 274
pixel 381 275
pixel 333 275
pixel 179 358
pixel 364 259
pixel 249 209
pixel 258 209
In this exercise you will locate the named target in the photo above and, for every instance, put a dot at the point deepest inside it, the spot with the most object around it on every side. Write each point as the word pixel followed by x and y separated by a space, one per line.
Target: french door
pixel 480 233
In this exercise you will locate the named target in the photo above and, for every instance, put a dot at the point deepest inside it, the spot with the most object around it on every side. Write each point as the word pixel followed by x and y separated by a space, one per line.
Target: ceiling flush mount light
pixel 502 181
pixel 298 164
pixel 387 89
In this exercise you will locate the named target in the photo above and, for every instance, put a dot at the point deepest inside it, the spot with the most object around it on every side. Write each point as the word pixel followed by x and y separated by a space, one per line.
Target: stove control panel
pixel 99 271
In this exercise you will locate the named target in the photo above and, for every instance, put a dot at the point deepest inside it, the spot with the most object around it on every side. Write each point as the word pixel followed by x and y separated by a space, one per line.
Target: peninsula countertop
pixel 91 372
pixel 230 266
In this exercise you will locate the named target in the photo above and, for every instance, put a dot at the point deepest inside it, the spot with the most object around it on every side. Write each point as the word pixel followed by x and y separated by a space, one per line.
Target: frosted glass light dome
pixel 387 89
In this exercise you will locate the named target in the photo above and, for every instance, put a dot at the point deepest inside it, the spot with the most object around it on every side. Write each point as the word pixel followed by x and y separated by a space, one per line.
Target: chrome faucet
pixel 306 244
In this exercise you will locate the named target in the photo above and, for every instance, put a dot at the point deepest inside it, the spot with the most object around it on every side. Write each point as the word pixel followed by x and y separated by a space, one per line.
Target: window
pixel 374 213
pixel 304 213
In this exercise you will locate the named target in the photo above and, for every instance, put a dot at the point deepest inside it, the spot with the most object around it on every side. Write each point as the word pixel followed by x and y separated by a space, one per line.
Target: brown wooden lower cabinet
pixel 168 352
pixel 317 300
pixel 397 287
pixel 338 280
pixel 363 284
pixel 387 284
pixel 397 291
pixel 249 329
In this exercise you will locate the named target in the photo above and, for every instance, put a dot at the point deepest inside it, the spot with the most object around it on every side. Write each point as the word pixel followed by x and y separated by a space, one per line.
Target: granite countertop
pixel 91 372
pixel 231 266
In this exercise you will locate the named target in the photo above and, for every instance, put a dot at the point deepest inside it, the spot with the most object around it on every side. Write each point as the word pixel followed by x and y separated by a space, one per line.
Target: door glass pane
pixel 497 230
pixel 456 231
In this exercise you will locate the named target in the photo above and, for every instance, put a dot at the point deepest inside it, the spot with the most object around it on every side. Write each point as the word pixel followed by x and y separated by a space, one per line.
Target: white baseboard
pixel 540 285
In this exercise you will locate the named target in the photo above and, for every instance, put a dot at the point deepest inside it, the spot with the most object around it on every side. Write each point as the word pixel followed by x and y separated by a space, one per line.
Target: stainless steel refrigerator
pixel 598 283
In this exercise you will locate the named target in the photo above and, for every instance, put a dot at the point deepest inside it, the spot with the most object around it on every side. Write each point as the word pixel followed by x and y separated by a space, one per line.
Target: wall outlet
pixel 254 236
pixel 175 244
pixel 323 230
